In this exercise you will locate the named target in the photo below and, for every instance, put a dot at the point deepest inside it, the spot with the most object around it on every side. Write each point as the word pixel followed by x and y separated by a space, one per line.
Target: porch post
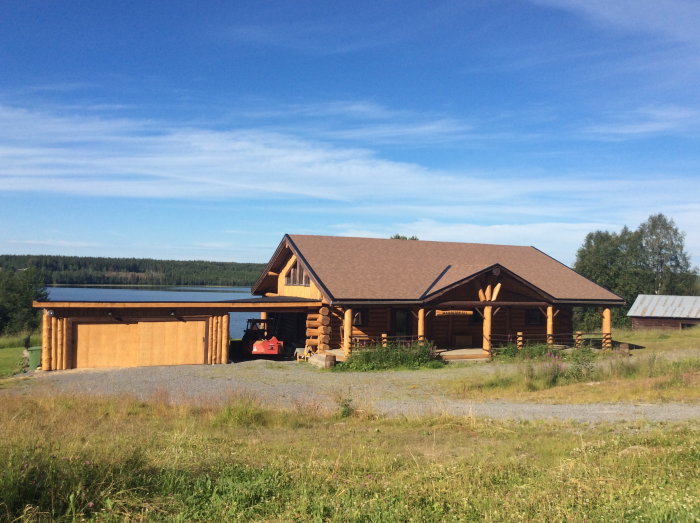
pixel 421 324
pixel 347 331
pixel 550 325
pixel 607 329
pixel 263 315
pixel 488 312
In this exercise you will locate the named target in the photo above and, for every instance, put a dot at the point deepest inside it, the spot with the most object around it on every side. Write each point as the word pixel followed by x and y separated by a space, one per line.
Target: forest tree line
pixel 80 270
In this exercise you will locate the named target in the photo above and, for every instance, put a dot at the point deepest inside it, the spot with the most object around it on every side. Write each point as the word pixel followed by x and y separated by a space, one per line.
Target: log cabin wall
pixel 663 323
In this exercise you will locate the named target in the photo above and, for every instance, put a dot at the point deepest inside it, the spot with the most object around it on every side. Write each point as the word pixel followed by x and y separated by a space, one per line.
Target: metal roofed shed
pixel 665 312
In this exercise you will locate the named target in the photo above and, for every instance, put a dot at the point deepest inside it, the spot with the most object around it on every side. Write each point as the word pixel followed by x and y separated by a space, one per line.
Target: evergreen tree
pixel 17 291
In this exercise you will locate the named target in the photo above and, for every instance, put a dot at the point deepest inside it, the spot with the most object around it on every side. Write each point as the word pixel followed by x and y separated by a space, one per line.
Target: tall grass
pixel 76 458
pixel 392 356
pixel 13 341
pixel 583 366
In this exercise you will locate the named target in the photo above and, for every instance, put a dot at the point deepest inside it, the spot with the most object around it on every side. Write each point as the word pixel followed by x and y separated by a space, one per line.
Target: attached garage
pixel 140 344
pixel 88 335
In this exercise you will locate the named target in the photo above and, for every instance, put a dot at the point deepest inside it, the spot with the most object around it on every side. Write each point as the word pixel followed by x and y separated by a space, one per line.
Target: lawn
pixel 666 369
pixel 10 361
pixel 71 458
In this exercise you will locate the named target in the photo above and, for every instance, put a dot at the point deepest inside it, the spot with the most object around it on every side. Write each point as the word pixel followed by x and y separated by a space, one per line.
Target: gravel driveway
pixel 290 384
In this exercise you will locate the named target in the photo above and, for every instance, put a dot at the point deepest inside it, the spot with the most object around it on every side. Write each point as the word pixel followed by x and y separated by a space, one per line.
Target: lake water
pixel 145 294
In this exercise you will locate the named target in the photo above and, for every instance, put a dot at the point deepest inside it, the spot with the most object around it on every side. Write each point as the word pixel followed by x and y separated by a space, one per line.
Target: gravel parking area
pixel 290 384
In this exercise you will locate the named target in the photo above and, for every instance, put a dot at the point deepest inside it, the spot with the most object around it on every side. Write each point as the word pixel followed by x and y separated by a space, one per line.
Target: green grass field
pixel 10 361
pixel 75 458
pixel 666 369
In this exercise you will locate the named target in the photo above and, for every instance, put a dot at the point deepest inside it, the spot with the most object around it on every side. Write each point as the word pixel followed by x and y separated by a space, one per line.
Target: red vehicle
pixel 259 340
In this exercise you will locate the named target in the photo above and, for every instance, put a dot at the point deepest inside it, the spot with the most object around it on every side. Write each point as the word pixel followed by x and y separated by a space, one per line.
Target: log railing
pixel 361 341
pixel 597 340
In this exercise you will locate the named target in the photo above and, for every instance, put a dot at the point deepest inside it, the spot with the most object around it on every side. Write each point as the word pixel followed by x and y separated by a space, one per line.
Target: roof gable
pixel 348 269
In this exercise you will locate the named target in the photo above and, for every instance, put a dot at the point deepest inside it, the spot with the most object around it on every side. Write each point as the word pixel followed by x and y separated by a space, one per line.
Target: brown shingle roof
pixel 383 269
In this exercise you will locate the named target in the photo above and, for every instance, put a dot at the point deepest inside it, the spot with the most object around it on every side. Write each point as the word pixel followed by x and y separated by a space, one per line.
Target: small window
pixel 534 317
pixel 359 318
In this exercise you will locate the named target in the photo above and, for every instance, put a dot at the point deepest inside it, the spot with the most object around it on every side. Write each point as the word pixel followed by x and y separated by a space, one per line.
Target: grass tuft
pixel 393 356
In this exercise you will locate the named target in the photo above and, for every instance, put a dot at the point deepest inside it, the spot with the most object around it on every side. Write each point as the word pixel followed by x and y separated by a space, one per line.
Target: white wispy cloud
pixel 46 152
pixel 647 121
pixel 675 19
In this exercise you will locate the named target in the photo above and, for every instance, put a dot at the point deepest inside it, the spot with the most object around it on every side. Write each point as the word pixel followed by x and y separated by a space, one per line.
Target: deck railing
pixel 361 341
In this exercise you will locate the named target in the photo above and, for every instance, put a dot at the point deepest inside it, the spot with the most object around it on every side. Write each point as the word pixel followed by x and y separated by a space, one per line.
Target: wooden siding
pixel 663 323
pixel 297 291
pixel 135 338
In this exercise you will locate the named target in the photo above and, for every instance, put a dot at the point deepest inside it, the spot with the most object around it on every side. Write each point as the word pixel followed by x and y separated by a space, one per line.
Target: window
pixel 359 318
pixel 534 317
pixel 297 276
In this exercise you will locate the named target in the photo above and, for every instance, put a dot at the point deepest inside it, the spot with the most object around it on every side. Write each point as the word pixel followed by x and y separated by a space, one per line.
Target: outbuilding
pixel 665 312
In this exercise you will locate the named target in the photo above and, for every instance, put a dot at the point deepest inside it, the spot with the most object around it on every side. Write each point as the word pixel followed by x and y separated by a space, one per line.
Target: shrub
pixel 581 367
pixel 378 357
pixel 530 351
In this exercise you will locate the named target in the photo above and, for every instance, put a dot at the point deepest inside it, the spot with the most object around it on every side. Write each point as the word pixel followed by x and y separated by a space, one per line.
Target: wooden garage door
pixel 139 344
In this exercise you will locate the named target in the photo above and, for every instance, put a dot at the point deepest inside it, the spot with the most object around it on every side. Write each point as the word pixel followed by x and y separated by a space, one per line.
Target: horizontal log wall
pixel 662 323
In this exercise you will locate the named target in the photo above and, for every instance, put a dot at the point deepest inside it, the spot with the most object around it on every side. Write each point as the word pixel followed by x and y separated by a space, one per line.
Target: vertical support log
pixel 54 343
pixel 263 315
pixel 347 331
pixel 519 340
pixel 225 338
pixel 60 339
pixel 488 313
pixel 68 344
pixel 579 339
pixel 421 324
pixel 607 329
pixel 46 341
pixel 385 340
pixel 210 322
pixel 216 341
pixel 550 325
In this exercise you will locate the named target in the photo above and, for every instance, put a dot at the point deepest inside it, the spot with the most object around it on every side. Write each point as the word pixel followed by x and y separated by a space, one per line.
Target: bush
pixel 530 351
pixel 393 356
pixel 581 368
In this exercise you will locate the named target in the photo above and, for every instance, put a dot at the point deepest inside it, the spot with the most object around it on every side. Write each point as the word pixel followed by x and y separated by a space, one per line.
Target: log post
pixel 550 325
pixel 60 323
pixel 68 345
pixel 347 331
pixel 519 340
pixel 54 343
pixel 226 335
pixel 421 324
pixel 385 340
pixel 46 341
pixel 210 338
pixel 607 329
pixel 263 315
pixel 488 312
pixel 579 339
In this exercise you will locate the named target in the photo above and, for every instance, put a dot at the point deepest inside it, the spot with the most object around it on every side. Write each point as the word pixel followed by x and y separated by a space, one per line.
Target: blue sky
pixel 207 130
